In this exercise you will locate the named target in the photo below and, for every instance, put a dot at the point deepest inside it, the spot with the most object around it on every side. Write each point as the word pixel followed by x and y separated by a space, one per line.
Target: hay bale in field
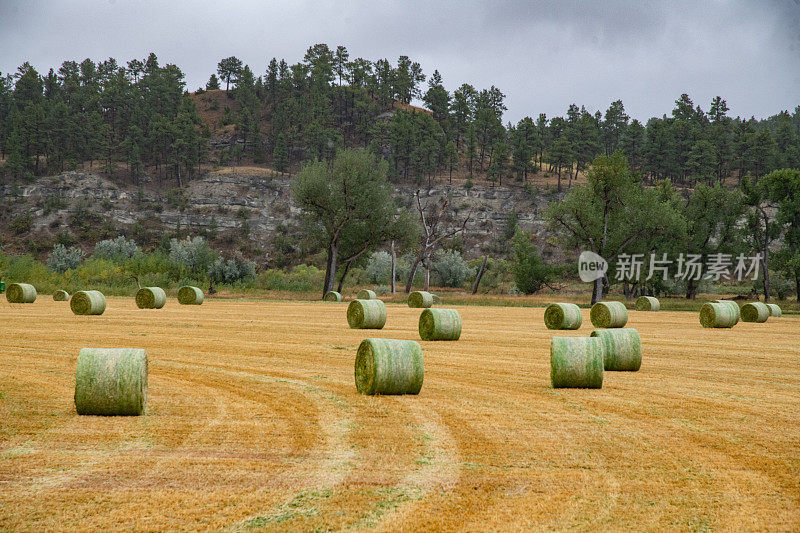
pixel 389 366
pixel 111 381
pixel 88 303
pixel 60 296
pixel 151 298
pixel 21 293
pixel 332 296
pixel 366 314
pixel 755 312
pixel 190 295
pixel 734 307
pixel 563 316
pixel 647 303
pixel 366 294
pixel 440 325
pixel 774 310
pixel 437 300
pixel 420 300
pixel 576 362
pixel 609 315
pixel 718 315
pixel 622 348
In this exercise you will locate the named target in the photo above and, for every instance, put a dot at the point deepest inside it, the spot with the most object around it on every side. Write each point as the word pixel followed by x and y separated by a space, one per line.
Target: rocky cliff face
pixel 252 204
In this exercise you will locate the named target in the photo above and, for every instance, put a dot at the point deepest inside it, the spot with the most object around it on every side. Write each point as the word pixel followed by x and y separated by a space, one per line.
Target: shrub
pixel 379 268
pixel 530 271
pixel 62 258
pixel 192 254
pixel 302 278
pixel 232 270
pixel 450 268
pixel 116 249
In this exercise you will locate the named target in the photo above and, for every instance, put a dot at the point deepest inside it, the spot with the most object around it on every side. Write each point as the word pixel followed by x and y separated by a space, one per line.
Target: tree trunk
pixel 344 275
pixel 330 267
pixel 797 284
pixel 394 269
pixel 597 293
pixel 480 275
pixel 691 289
pixel 765 264
pixel 427 265
pixel 412 274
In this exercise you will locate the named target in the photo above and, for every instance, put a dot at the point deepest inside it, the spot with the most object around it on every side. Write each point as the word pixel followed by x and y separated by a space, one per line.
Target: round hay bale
pixel 440 325
pixel 755 312
pixel 366 314
pixel 389 366
pixel 21 293
pixel 718 315
pixel 190 295
pixel 437 300
pixel 774 310
pixel 609 315
pixel 88 303
pixel 576 362
pixel 647 303
pixel 60 296
pixel 734 307
pixel 366 294
pixel 151 298
pixel 332 296
pixel 111 381
pixel 622 348
pixel 563 316
pixel 420 300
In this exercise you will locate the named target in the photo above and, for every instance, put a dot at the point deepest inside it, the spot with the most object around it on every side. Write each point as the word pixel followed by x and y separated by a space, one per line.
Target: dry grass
pixel 254 421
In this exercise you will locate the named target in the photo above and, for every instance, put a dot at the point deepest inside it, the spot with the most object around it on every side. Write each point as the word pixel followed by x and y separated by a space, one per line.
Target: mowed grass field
pixel 254 422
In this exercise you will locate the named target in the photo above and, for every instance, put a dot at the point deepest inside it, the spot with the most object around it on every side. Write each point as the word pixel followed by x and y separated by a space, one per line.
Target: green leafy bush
pixel 530 271
pixel 62 258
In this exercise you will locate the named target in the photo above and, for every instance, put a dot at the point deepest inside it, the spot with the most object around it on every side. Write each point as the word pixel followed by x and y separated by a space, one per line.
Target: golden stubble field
pixel 254 422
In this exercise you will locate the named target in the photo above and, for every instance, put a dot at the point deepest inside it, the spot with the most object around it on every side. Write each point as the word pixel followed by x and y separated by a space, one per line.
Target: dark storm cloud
pixel 543 55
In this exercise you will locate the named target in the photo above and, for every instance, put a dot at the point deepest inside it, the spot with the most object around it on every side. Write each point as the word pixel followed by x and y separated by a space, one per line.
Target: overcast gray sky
pixel 543 55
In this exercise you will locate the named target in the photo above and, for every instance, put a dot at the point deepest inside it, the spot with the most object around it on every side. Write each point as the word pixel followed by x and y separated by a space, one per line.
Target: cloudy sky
pixel 543 55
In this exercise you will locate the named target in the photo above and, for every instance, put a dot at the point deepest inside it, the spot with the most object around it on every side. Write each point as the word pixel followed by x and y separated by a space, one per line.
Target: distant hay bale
pixel 440 325
pixel 563 316
pixel 151 298
pixel 734 307
pixel 366 314
pixel 755 312
pixel 774 310
pixel 111 381
pixel 366 294
pixel 576 362
pixel 189 295
pixel 332 296
pixel 718 315
pixel 647 303
pixel 60 296
pixel 609 315
pixel 437 300
pixel 420 300
pixel 21 293
pixel 88 303
pixel 622 348
pixel 389 366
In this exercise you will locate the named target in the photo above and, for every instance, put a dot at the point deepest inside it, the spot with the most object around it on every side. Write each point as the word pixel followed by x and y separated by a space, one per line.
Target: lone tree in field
pixel 348 201
pixel 229 70
pixel 611 213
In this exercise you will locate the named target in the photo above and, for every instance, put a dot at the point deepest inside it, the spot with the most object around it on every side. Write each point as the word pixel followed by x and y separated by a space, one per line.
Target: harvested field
pixel 254 421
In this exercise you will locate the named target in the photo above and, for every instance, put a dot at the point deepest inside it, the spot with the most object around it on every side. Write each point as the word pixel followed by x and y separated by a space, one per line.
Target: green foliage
pixel 378 269
pixel 193 255
pixel 450 268
pixel 530 271
pixel 62 258
pixel 116 249
pixel 232 270
pixel 303 278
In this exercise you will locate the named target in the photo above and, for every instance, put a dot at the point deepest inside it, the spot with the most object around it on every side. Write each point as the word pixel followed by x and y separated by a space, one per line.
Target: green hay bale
pixel 576 362
pixel 111 381
pixel 436 299
pixel 151 298
pixel 440 325
pixel 189 295
pixel 734 307
pixel 563 316
pixel 332 296
pixel 718 315
pixel 389 366
pixel 420 300
pixel 21 293
pixel 88 303
pixel 622 348
pixel 774 310
pixel 366 294
pixel 647 303
pixel 60 296
pixel 366 314
pixel 609 315
pixel 755 312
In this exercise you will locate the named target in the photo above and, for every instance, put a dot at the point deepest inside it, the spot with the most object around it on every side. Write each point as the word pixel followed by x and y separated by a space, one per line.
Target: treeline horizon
pixel 138 118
